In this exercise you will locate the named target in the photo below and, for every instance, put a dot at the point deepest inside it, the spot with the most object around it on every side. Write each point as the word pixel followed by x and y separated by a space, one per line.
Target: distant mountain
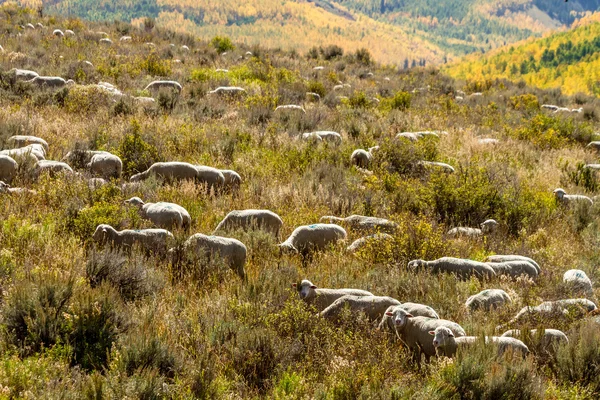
pixel 568 60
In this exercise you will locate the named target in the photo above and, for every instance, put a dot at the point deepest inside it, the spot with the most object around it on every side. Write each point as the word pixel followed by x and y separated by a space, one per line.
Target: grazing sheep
pixel 549 107
pixel 151 240
pixel 569 199
pixel 515 268
pixel 512 257
pixel 225 71
pixel 251 219
pixel 95 183
pixel 233 180
pixel 24 74
pixel 33 152
pixel 6 189
pixel 414 332
pixel 53 168
pixel 8 168
pixel 292 107
pixel 594 145
pixel 487 300
pixel 308 238
pixel 445 167
pixel 488 141
pixel 105 165
pixel 69 32
pixel 169 171
pixel 22 141
pixel 318 68
pixel 446 343
pixel 487 226
pixel 40 25
pixel 232 251
pixel 373 306
pixel 549 310
pixel 543 341
pixel 164 215
pixel 418 310
pixel 125 39
pixel 328 136
pixel 361 223
pixel 59 33
pixel 30 26
pixel 376 239
pixel 361 158
pixel 313 96
pixel 228 90
pixel 578 281
pixel 144 100
pixel 53 82
pixel 595 167
pixel 322 298
pixel 157 85
pixel 106 41
pixel 462 268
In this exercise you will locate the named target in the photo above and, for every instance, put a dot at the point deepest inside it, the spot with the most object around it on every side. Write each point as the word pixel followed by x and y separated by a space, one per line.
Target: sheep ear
pixel 451 334
pixel 294 285
pixel 313 287
pixel 432 333
pixel 409 315
pixel 389 314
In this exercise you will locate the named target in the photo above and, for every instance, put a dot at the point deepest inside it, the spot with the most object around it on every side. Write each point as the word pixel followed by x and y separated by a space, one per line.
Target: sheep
pixel 488 141
pixel 414 332
pixel 308 238
pixel 362 158
pixel 328 136
pixel 125 39
pixel 145 101
pixel 446 343
pixel 249 219
pixel 594 145
pixel 487 300
pixel 106 165
pixel 549 107
pixel 231 250
pixel 6 189
pixel 69 32
pixel 30 26
pixel 445 167
pixel 40 25
pixel 53 168
pixel 169 171
pixel 595 167
pixel 515 268
pixel 95 183
pixel 151 240
pixel 185 48
pixel 318 68
pixel 225 71
pixel 313 96
pixel 548 310
pixel 374 307
pixel 487 226
pixel 410 136
pixel 22 141
pixel 462 268
pixel 8 168
pixel 292 107
pixel 58 33
pixel 418 310
pixel 578 281
pixel 157 85
pixel 569 199
pixel 24 74
pixel 361 223
pixel 106 41
pixel 164 215
pixel 512 257
pixel 542 341
pixel 34 152
pixel 376 239
pixel 233 180
pixel 322 298
pixel 228 90
pixel 54 82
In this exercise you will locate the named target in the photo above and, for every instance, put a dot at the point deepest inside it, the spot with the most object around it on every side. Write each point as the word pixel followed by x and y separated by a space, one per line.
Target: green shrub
pixel 146 352
pixel 222 44
pixel 255 357
pixel 332 51
pixel 87 219
pixel 578 361
pixel 135 152
pixel 363 56
pixel 154 66
pixel 553 132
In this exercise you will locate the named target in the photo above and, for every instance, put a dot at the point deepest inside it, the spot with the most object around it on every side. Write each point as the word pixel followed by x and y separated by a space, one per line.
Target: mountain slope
pixel 569 60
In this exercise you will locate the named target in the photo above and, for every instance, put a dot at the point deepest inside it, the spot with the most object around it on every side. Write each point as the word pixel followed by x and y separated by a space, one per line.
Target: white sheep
pixel 550 310
pixel 185 48
pixel 594 145
pixel 232 251
pixel 361 223
pixel 512 257
pixel 570 199
pixel 372 306
pixel 462 268
pixel 551 107
pixel 362 158
pixel 322 298
pixel 233 180
pixel 488 141
pixel 487 226
pixel 250 219
pixel 151 240
pixel 487 300
pixel 578 281
pixel 169 171
pixel 32 152
pixel 162 214
pixel 106 41
pixel 125 39
pixel 515 268
pixel 24 74
pixel 58 32
pixel 53 168
pixel 69 32
pixel 292 107
pixel 228 90
pixel 54 82
pixel 157 85
pixel 542 341
pixel 418 310
pixel 447 344
pixel 24 140
pixel 105 165
pixel 375 240
pixel 414 332
pixel 8 168
pixel 6 189
pixel 328 136
pixel 313 96
pixel 308 238
pixel 443 166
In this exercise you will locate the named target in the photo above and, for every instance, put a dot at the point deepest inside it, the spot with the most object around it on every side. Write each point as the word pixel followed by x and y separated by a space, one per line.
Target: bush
pixel 145 352
pixel 363 56
pixel 255 357
pixel 154 66
pixel 331 52
pixel 137 154
pixel 222 44
pixel 579 360
pixel 552 132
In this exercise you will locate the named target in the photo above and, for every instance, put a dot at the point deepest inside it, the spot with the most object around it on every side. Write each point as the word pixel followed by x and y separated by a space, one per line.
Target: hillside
pixel 93 305
pixel 567 60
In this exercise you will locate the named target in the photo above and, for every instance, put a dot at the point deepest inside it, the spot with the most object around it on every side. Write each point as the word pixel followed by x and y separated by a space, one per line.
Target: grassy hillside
pixel 567 60
pixel 80 321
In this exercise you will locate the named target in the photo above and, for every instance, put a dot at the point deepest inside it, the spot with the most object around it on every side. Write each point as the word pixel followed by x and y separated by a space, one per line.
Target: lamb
pixel 292 107
pixel 487 300
pixel 22 141
pixel 308 238
pixel 24 74
pixel 231 250
pixel 157 85
pixel 574 308
pixel 373 306
pixel 6 189
pixel 542 341
pixel 164 215
pixel 515 268
pixel 59 33
pixel 169 171
pixel 377 239
pixel 445 167
pixel 362 158
pixel 8 168
pixel 462 268
pixel 361 223
pixel 446 343
pixel 53 168
pixel 418 310
pixel 512 257
pixel 248 219
pixel 322 298
pixel 151 240
pixel 105 165
pixel 328 136
pixel 578 281
pixel 228 90
pixel 53 82
pixel 233 180
pixel 569 199
pixel 487 226
pixel 414 332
